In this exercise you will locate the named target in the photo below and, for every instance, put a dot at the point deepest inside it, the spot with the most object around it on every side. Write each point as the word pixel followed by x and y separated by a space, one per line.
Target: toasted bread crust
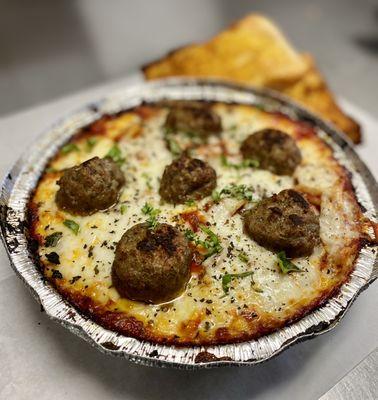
pixel 312 91
pixel 254 51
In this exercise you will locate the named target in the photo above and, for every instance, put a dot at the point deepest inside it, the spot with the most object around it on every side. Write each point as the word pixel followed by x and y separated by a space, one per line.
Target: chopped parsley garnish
pixel 115 154
pixel 256 288
pixel 191 236
pixel 243 257
pixel 152 213
pixel 148 180
pixel 190 203
pixel 69 147
pixel 227 278
pixel 239 192
pixel 249 163
pixel 72 225
pixel 172 144
pixel 123 208
pixel 174 147
pixel 53 239
pixel 53 257
pixel 285 264
pixel 211 243
pixel 216 196
pixel 91 142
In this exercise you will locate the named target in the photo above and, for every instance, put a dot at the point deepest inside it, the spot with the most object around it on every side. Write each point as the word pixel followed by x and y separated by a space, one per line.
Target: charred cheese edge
pixel 203 314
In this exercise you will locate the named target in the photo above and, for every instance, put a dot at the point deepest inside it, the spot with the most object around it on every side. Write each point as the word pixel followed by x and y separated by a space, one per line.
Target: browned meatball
pixel 89 187
pixel 152 266
pixel 193 117
pixel 284 221
pixel 276 151
pixel 187 179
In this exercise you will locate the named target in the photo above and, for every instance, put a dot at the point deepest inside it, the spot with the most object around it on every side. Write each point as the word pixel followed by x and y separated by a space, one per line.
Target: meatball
pixel 152 266
pixel 89 187
pixel 194 117
pixel 276 151
pixel 187 179
pixel 284 221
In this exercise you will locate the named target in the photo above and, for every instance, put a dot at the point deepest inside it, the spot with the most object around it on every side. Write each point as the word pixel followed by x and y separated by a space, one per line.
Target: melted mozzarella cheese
pixel 86 258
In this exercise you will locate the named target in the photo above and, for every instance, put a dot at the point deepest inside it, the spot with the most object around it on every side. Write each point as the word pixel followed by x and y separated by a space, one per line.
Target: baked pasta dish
pixel 196 223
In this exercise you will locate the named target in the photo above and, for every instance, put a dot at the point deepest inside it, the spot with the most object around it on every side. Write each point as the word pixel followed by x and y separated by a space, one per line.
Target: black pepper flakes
pixel 74 279
pixel 90 251
pixel 56 274
pixel 53 258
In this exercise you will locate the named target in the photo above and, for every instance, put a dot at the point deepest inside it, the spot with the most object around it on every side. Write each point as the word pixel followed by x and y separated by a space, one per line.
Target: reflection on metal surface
pixel 25 174
pixel 360 383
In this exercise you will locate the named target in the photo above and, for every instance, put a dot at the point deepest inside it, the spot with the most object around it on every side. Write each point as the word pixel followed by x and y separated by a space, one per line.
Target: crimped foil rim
pixel 23 177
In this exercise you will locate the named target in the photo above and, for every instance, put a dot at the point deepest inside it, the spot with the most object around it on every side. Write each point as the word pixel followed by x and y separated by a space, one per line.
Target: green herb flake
pixel 123 209
pixel 68 148
pixel 257 289
pixel 147 208
pixel 115 154
pixel 172 143
pixel 239 192
pixel 72 225
pixel 227 278
pixel 167 130
pixel 215 195
pixel 91 143
pixel 148 180
pixel 285 264
pixel 248 163
pixel 211 243
pixel 191 236
pixel 51 170
pixel 152 213
pixel 190 203
pixel 174 147
pixel 53 239
pixel 243 257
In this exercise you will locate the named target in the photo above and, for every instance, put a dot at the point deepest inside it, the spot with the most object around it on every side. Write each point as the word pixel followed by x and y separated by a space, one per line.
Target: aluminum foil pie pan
pixel 24 175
